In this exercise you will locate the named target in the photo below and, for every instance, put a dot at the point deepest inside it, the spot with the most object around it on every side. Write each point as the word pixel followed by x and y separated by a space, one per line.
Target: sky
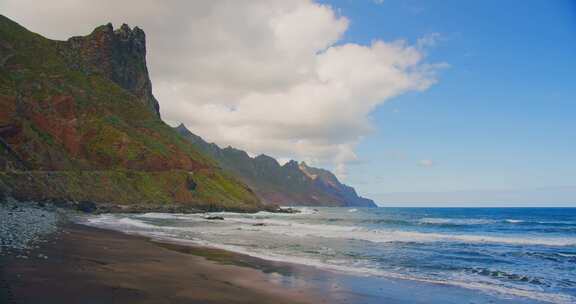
pixel 411 102
pixel 499 120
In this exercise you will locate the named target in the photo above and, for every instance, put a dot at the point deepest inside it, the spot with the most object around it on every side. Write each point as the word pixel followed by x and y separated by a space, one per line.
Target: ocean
pixel 508 253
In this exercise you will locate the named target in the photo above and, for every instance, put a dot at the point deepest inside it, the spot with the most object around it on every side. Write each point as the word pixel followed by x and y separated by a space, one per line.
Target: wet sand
pixel 88 265
pixel 82 264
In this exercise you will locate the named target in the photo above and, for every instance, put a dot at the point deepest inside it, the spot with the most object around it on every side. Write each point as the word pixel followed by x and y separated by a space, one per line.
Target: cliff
pixel 119 55
pixel 291 184
pixel 78 121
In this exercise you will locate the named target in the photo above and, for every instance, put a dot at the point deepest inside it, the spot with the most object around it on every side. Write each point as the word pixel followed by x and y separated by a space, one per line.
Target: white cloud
pixel 426 163
pixel 268 76
pixel 429 40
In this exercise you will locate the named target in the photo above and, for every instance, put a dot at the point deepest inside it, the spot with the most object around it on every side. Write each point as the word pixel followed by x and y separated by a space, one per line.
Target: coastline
pixel 86 264
pixel 83 264
pixel 80 264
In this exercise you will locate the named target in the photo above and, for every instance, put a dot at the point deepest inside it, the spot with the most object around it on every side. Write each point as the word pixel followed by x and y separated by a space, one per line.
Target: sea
pixel 523 254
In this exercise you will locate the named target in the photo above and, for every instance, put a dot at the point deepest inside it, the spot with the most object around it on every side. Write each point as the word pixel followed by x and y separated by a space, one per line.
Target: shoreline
pixel 91 207
pixel 81 263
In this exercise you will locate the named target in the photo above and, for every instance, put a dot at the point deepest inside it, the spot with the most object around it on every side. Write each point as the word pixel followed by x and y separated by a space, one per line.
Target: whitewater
pixel 515 252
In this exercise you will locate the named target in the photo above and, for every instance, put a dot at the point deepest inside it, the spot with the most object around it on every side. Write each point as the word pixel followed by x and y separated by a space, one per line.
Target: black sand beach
pixel 88 265
pixel 81 264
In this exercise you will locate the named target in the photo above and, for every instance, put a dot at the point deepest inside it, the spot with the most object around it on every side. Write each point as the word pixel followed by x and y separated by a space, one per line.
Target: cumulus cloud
pixel 268 76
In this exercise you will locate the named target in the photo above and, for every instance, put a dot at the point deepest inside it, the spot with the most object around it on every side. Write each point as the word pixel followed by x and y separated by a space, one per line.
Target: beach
pixel 88 265
pixel 146 258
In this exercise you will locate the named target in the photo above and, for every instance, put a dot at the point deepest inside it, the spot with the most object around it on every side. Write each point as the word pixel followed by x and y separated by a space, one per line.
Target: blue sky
pixel 501 117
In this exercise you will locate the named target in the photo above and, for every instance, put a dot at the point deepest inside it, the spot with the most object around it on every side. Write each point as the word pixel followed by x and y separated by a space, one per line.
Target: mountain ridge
pixel 291 184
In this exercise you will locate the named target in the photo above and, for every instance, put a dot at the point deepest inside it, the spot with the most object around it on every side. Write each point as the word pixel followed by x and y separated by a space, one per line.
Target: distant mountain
pixel 78 122
pixel 291 184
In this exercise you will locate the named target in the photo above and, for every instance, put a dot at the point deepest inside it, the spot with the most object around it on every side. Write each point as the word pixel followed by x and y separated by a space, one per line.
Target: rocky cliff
pixel 291 184
pixel 119 55
pixel 78 122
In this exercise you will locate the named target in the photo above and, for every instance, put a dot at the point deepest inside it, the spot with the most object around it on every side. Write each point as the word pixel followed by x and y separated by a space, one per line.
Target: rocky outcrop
pixel 78 123
pixel 119 55
pixel 290 184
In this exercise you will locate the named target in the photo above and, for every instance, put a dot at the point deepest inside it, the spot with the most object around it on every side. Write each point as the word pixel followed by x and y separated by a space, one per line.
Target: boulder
pixel 87 207
pixel 214 218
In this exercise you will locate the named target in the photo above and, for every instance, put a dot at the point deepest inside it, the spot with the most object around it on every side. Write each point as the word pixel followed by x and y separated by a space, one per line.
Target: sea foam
pixel 330 239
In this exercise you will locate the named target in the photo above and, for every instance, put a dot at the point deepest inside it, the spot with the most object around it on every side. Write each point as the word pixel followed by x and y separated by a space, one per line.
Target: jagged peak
pixel 291 164
pixel 106 28
pixel 182 129
pixel 181 126
pixel 119 55
pixel 123 33
pixel 125 27
pixel 265 173
pixel 234 150
pixel 263 158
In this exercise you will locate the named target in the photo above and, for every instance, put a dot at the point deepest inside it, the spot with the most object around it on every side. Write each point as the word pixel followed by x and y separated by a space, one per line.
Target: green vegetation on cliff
pixel 290 184
pixel 78 122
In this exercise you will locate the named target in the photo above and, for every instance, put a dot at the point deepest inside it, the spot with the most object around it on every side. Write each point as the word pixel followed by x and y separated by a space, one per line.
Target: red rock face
pixel 57 121
pixel 57 116
pixel 9 128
